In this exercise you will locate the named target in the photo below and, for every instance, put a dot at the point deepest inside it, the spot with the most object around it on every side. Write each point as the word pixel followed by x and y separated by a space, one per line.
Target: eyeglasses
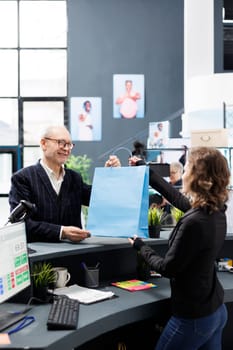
pixel 61 143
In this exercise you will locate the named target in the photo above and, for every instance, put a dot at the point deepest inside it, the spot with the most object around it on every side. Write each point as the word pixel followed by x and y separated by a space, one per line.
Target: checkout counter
pixel 133 317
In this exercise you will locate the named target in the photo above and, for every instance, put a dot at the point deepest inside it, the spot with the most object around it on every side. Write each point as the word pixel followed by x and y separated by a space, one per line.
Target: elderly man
pixel 57 192
pixel 176 172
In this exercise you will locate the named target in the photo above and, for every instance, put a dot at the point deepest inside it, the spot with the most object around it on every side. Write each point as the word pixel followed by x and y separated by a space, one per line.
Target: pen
pixel 84 266
pixel 89 273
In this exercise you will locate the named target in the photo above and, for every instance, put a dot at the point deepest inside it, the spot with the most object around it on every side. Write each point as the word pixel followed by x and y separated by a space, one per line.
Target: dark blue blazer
pixel 52 210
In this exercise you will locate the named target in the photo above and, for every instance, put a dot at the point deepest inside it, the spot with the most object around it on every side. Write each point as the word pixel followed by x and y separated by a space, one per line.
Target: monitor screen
pixel 14 264
pixel 162 169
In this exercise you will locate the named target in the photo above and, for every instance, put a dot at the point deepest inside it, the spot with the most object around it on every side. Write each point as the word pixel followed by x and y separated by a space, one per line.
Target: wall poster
pixel 158 134
pixel 128 96
pixel 86 118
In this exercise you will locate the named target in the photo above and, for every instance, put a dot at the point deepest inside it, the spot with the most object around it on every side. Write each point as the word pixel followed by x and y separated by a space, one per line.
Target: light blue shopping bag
pixel 119 202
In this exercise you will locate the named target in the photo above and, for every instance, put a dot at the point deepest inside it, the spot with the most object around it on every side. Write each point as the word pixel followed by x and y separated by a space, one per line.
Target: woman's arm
pixel 172 195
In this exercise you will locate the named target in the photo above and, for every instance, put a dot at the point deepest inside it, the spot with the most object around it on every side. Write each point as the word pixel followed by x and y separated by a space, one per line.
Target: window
pixel 228 35
pixel 33 70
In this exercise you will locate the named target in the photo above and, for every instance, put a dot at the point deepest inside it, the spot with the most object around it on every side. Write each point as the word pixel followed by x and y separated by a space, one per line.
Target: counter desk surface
pixel 92 244
pixel 102 317
pixel 94 319
pixel 101 244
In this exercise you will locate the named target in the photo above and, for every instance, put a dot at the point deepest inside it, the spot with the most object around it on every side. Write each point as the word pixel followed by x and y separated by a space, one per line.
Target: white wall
pixel 198 38
pixel 229 213
pixel 204 91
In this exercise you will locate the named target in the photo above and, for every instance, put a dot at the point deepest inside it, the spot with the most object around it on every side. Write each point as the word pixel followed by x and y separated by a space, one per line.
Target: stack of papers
pixel 84 295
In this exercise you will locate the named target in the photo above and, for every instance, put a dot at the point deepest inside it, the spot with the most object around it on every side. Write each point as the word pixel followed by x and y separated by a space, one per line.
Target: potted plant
pixel 155 216
pixel 176 213
pixel 82 165
pixel 42 276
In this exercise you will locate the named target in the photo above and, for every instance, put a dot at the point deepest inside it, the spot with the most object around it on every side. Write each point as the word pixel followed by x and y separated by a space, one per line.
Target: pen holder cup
pixel 91 277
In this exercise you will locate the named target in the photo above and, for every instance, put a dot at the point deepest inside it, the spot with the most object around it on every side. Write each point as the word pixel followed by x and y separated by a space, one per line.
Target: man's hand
pixel 113 161
pixel 74 234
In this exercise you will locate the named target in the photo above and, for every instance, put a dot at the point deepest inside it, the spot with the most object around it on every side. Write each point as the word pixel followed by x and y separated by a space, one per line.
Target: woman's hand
pixel 136 242
pixel 132 239
pixel 133 160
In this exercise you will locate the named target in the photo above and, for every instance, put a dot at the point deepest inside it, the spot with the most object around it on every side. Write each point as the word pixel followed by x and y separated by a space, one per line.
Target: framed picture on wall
pixel 158 134
pixel 86 118
pixel 128 96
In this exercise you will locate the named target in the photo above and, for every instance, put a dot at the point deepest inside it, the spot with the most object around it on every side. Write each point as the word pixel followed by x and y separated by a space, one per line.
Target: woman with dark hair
pixel 139 149
pixel 198 312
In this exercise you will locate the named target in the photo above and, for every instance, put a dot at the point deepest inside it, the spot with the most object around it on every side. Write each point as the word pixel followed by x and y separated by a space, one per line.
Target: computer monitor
pixel 14 263
pixel 162 169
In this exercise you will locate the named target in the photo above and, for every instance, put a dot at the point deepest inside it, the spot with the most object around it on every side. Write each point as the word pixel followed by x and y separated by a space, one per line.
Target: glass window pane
pixel 5 173
pixel 37 116
pixel 8 73
pixel 8 122
pixel 31 155
pixel 5 210
pixel 43 24
pixel 43 73
pixel 8 24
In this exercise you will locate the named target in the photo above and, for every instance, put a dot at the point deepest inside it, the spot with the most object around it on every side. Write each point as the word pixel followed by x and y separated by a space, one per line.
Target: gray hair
pixel 50 130
pixel 177 166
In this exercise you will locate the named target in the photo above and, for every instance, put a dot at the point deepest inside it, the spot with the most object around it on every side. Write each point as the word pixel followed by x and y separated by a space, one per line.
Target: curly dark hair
pixel 139 149
pixel 209 177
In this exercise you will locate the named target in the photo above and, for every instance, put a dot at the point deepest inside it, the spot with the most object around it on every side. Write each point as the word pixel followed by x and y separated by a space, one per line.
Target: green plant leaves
pixel 82 165
pixel 176 213
pixel 155 216
pixel 42 274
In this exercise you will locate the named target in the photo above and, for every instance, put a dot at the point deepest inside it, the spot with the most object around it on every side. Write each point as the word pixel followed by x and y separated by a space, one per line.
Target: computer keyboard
pixel 63 313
